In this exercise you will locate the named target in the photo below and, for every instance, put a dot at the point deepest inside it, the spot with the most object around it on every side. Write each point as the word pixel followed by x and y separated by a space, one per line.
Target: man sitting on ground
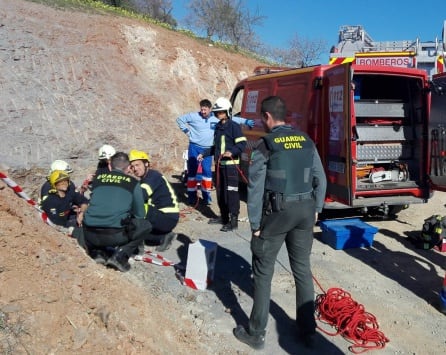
pixel 160 200
pixel 64 206
pixel 56 165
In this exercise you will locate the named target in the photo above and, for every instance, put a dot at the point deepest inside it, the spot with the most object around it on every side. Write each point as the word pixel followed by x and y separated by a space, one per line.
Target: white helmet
pixel 223 104
pixel 60 165
pixel 106 151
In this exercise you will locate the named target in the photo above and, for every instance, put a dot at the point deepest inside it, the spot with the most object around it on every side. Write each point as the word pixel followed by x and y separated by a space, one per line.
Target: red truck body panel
pixel 370 125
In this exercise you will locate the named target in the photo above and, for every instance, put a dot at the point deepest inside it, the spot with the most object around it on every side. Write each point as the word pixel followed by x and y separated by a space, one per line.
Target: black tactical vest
pixel 290 162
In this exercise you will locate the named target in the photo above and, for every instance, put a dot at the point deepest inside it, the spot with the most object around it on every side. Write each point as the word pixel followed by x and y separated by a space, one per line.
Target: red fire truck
pixel 380 130
pixel 357 47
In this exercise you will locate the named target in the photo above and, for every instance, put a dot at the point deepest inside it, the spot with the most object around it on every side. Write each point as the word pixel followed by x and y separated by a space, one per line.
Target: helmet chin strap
pixel 146 168
pixel 62 192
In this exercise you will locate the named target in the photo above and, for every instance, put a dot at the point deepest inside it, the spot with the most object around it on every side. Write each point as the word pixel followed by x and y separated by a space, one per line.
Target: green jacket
pixel 115 197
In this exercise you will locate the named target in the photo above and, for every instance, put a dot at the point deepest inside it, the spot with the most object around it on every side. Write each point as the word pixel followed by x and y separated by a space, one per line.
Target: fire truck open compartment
pixel 371 126
pixel 388 131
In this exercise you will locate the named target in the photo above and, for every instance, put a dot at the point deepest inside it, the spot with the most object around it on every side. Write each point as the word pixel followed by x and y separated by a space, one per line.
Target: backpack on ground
pixel 432 233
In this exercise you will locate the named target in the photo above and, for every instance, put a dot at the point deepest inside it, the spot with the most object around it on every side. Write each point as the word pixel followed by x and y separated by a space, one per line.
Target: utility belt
pixel 274 201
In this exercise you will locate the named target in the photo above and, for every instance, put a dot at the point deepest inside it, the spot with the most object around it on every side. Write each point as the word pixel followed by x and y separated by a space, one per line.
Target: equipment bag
pixel 432 232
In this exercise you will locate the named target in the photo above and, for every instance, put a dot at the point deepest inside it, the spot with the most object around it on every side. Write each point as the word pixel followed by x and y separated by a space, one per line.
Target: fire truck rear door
pixel 437 133
pixel 337 133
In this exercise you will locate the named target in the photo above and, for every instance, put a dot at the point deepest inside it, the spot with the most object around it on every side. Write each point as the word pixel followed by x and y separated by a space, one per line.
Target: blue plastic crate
pixel 347 233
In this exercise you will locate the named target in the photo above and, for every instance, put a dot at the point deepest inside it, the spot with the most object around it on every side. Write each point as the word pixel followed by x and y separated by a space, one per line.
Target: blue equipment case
pixel 347 233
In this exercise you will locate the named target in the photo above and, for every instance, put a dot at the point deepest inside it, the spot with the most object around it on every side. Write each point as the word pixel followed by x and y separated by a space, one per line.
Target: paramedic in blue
pixel 199 127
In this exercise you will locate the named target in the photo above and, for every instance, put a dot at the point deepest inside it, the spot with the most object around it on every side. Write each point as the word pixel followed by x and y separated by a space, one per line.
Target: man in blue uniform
pixel 199 127
pixel 161 204
pixel 286 190
pixel 115 216
pixel 56 165
pixel 229 143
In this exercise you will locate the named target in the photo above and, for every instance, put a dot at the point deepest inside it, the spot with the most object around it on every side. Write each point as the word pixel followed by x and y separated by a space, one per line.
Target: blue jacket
pixel 200 130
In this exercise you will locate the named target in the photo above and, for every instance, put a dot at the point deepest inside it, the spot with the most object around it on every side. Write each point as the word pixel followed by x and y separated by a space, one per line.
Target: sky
pixel 383 20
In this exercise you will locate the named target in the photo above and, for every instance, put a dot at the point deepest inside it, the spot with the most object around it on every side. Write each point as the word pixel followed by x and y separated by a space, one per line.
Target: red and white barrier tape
pixel 18 190
pixel 154 258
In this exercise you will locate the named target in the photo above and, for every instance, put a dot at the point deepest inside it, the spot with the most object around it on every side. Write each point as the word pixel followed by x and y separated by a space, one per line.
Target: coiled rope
pixel 336 308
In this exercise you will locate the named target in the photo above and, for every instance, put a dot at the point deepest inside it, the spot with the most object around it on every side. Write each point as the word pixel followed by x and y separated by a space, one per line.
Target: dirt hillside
pixel 72 81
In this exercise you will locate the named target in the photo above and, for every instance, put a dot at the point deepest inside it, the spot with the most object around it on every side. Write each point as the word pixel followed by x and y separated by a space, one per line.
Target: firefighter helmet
pixel 223 104
pixel 57 176
pixel 106 152
pixel 138 155
pixel 60 165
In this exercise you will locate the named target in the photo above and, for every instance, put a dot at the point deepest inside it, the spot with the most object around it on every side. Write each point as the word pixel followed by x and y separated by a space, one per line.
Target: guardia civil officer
pixel 115 217
pixel 286 178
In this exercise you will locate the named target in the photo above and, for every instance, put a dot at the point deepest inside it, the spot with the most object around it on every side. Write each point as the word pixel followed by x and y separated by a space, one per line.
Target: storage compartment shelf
pixel 368 133
pixel 377 108
pixel 383 152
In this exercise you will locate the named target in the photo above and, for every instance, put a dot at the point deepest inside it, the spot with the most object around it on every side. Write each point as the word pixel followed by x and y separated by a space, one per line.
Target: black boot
pixel 119 261
pixel 166 242
pixel 234 221
pixel 139 250
pixel 215 221
pixel 99 256
pixel 231 225
pixel 220 220
pixel 256 342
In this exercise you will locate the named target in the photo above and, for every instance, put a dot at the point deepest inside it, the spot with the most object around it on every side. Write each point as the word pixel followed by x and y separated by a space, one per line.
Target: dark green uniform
pixel 286 188
pixel 115 216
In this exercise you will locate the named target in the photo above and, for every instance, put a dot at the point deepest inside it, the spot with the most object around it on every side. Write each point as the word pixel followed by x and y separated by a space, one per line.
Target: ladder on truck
pixel 354 41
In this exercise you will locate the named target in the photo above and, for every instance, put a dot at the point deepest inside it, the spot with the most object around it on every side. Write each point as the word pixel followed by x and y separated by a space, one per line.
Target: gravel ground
pixel 394 281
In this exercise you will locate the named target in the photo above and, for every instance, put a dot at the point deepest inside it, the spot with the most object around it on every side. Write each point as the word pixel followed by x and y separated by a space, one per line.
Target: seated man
pixel 56 165
pixel 115 216
pixel 61 200
pixel 160 200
